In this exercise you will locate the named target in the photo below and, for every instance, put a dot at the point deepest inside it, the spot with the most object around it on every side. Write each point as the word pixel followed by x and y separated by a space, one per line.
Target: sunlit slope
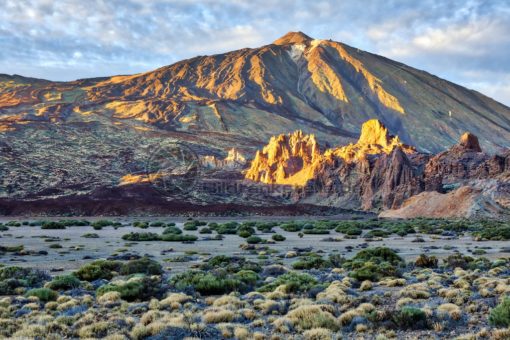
pixel 318 86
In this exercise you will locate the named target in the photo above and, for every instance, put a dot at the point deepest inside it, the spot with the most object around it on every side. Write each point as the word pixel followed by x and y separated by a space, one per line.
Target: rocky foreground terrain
pixel 255 279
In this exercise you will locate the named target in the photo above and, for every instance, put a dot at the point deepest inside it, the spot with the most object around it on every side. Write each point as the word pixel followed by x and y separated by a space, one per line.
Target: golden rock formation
pixel 374 139
pixel 294 159
pixel 287 159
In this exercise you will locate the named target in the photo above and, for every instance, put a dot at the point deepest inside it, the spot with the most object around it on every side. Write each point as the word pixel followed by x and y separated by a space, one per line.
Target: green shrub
pixel 146 236
pixel 373 264
pixel 495 233
pixel 226 228
pixel 90 235
pixel 141 225
pixel 231 264
pixel 247 276
pixel 101 269
pixel 500 315
pixel 265 227
pixel 4 228
pixel 16 277
pixel 294 282
pixel 411 318
pixel 278 238
pixel 378 255
pixel 193 225
pixel 212 283
pixel 244 233
pixel 144 265
pixel 101 223
pixel 292 226
pixel 172 230
pixel 377 233
pixel 178 238
pixel 157 224
pixel 63 282
pixel 137 288
pixel 52 225
pixel 12 249
pixel 253 240
pixel 44 294
pixel 74 223
pixel 311 262
pixel 205 230
pixel 316 231
pixel 13 224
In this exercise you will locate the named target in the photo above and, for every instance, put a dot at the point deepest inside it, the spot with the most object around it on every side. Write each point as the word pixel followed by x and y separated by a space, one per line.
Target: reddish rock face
pixel 380 173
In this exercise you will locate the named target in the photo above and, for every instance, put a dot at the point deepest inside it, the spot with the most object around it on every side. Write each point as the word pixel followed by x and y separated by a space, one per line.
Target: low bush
pixel 63 282
pixel 43 294
pixel 205 230
pixel 12 278
pixel 137 288
pixel 292 226
pixel 141 225
pixel 293 282
pixel 278 238
pixel 102 223
pixel 253 240
pixel 144 265
pixel 410 318
pixel 178 238
pixel 172 230
pixel 226 228
pixel 52 225
pixel 212 283
pixel 500 315
pixel 90 235
pixel 135 236
pixel 101 269
pixel 458 261
pixel 425 261
pixel 311 262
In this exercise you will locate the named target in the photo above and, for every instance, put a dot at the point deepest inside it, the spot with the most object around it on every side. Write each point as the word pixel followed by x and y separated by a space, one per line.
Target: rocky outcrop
pixel 479 199
pixel 294 159
pixel 379 172
pixel 234 160
pixel 286 159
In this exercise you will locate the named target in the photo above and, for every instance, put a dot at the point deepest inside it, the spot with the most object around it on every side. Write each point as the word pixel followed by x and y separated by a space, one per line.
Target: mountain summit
pixel 293 38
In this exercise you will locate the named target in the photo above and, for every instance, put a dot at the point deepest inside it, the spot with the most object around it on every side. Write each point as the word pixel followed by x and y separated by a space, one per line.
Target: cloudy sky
pixel 466 41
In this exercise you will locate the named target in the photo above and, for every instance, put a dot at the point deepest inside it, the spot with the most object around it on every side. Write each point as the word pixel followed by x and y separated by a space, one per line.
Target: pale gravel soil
pixel 110 241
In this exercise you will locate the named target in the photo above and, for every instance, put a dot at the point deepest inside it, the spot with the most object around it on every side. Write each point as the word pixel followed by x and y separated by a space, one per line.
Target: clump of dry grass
pixel 318 334
pixel 366 285
pixel 416 291
pixel 217 315
pixel 312 316
pixel 336 292
pixel 451 310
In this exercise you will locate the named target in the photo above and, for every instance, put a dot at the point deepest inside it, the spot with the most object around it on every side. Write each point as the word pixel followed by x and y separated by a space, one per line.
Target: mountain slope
pixel 318 86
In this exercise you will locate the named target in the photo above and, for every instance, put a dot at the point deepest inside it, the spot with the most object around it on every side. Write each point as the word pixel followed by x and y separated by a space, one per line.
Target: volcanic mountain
pixel 59 139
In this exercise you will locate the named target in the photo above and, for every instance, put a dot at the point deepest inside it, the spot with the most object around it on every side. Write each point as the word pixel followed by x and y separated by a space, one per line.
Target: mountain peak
pixel 293 38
